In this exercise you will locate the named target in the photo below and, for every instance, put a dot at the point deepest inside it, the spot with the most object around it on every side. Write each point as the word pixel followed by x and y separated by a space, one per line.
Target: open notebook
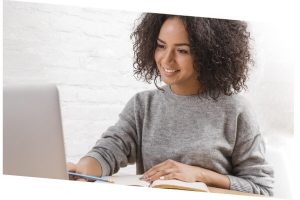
pixel 136 180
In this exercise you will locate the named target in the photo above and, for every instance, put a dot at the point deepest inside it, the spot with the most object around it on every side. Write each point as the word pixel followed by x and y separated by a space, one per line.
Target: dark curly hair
pixel 219 47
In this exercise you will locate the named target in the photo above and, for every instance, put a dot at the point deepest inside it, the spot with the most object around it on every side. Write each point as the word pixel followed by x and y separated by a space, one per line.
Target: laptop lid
pixel 33 142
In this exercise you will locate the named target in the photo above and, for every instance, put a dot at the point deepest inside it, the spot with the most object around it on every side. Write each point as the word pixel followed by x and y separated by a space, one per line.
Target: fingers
pixel 175 175
pixel 171 169
pixel 161 174
pixel 155 169
pixel 71 167
pixel 161 170
pixel 161 166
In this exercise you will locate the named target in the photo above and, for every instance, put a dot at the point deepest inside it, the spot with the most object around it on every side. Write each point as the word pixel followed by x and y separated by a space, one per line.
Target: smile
pixel 170 70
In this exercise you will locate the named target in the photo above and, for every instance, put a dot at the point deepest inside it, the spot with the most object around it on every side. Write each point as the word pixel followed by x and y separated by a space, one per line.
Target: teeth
pixel 170 70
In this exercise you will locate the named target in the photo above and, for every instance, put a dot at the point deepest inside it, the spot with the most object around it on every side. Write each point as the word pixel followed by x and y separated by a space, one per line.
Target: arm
pixel 250 170
pixel 118 144
pixel 116 148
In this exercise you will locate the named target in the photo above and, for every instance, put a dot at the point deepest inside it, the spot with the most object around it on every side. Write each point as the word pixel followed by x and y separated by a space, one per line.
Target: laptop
pixel 33 142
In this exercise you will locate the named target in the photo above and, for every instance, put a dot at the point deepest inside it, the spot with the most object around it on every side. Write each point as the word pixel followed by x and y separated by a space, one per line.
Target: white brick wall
pixel 87 52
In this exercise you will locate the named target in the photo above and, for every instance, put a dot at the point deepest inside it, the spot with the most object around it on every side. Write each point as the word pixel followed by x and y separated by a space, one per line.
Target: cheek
pixel 186 64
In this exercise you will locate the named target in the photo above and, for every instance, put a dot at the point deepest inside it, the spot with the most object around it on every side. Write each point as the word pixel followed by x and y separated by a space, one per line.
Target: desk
pixel 16 187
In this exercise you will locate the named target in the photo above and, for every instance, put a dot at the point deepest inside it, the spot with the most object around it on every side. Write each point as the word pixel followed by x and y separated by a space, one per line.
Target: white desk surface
pixel 16 187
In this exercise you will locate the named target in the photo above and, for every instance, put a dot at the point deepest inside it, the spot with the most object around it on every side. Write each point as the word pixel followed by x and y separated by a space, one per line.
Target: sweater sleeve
pixel 251 172
pixel 117 146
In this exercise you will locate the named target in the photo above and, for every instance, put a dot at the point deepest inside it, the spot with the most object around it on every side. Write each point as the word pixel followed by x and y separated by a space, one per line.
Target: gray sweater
pixel 222 136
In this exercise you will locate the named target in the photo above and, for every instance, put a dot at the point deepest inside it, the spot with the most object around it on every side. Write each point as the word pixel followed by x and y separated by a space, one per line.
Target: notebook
pixel 33 142
pixel 137 180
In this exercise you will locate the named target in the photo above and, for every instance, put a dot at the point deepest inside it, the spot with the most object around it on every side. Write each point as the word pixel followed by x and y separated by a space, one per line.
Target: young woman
pixel 195 127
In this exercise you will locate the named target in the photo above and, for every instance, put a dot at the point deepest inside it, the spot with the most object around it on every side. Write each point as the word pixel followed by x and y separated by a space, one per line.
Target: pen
pixel 88 177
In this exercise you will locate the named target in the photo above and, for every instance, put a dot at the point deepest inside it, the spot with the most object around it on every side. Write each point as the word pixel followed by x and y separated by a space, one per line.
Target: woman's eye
pixel 183 51
pixel 160 46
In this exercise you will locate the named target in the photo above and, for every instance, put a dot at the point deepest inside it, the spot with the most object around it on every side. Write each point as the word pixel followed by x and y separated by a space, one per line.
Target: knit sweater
pixel 222 136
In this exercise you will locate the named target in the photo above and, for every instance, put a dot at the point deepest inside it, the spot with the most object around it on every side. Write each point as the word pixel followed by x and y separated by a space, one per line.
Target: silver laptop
pixel 33 142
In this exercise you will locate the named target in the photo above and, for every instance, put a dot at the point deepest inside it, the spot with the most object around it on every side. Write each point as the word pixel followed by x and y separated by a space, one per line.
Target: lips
pixel 169 72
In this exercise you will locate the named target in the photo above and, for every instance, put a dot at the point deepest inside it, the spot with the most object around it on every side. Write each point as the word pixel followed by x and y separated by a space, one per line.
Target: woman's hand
pixel 171 169
pixel 87 166
pixel 71 167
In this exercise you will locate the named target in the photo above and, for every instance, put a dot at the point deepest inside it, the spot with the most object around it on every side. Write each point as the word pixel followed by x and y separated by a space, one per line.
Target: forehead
pixel 173 28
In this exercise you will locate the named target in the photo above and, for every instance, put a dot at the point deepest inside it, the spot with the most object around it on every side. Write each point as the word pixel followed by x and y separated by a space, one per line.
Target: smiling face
pixel 174 60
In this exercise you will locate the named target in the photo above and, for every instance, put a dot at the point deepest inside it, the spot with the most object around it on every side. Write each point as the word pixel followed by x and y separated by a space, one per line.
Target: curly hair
pixel 219 47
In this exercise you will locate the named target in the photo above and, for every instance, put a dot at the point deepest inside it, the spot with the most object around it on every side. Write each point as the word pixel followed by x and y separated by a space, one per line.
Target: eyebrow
pixel 178 44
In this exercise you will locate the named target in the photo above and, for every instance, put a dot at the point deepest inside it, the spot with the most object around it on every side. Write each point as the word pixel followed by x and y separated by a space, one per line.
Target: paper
pixel 133 180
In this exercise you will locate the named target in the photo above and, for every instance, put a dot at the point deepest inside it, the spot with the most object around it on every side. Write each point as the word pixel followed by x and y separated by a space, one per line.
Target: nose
pixel 168 57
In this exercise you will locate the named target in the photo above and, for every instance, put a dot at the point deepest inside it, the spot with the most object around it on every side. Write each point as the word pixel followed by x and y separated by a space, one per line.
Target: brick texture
pixel 86 52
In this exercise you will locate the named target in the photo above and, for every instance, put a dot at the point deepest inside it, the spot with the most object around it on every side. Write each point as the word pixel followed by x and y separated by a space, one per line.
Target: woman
pixel 196 127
